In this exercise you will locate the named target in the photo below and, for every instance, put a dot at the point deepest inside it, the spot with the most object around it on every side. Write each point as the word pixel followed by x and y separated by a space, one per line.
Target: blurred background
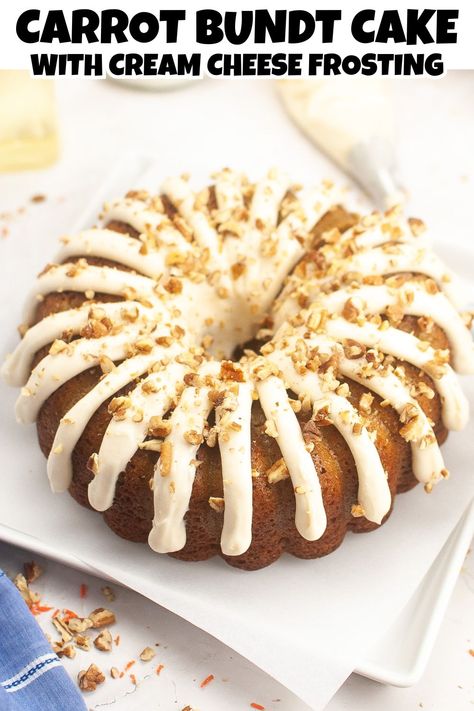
pixel 405 139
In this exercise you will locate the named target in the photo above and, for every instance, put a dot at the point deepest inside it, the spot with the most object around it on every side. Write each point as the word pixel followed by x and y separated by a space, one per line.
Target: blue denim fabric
pixel 32 677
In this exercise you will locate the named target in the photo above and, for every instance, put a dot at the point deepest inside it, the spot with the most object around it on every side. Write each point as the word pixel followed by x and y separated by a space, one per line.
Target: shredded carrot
pixel 56 612
pixel 159 668
pixel 37 609
pixel 117 640
pixel 259 707
pixel 129 664
pixel 122 674
pixel 207 681
pixel 69 614
pixel 133 678
pixel 83 590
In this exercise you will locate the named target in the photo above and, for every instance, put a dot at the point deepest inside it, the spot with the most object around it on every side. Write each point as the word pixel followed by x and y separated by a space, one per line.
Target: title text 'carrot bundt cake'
pixel 245 370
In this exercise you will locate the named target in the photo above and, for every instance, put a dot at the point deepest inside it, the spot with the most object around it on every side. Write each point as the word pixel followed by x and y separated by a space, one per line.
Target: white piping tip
pixel 371 165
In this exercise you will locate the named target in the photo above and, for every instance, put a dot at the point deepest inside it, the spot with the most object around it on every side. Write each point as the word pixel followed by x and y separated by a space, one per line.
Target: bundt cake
pixel 245 370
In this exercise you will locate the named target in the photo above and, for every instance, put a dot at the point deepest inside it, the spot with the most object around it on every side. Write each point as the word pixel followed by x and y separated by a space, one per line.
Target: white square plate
pixel 400 657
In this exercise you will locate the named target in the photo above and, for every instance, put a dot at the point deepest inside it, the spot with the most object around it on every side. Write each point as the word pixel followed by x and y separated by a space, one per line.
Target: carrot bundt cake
pixel 245 370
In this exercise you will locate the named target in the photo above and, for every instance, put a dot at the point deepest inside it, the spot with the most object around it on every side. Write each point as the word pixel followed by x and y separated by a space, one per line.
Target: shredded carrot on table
pixel 83 590
pixel 159 668
pixel 129 664
pixel 37 609
pixel 207 681
pixel 69 615
pixel 259 707
pixel 117 640
pixel 133 678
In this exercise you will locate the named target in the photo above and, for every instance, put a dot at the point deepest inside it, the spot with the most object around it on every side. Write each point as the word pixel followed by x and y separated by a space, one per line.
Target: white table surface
pixel 188 655
pixel 100 119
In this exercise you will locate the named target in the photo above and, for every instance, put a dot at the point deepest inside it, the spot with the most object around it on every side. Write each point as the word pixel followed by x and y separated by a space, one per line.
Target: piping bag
pixel 352 121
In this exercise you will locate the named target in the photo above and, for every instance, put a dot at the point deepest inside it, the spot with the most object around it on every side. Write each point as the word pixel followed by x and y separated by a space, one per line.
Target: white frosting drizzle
pixel 396 230
pixel 17 367
pixel 267 197
pixel 316 202
pixel 310 517
pixel 374 494
pixel 402 258
pixel 103 280
pixel 247 256
pixel 228 189
pixel 180 193
pixel 122 436
pixel 427 461
pixel 74 422
pixel 405 346
pixel 146 221
pixel 413 300
pixel 106 244
pixel 289 251
pixel 235 451
pixel 53 370
pixel 172 494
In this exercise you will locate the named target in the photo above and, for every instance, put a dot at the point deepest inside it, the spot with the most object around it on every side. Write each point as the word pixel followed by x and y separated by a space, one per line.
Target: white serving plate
pixel 401 655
